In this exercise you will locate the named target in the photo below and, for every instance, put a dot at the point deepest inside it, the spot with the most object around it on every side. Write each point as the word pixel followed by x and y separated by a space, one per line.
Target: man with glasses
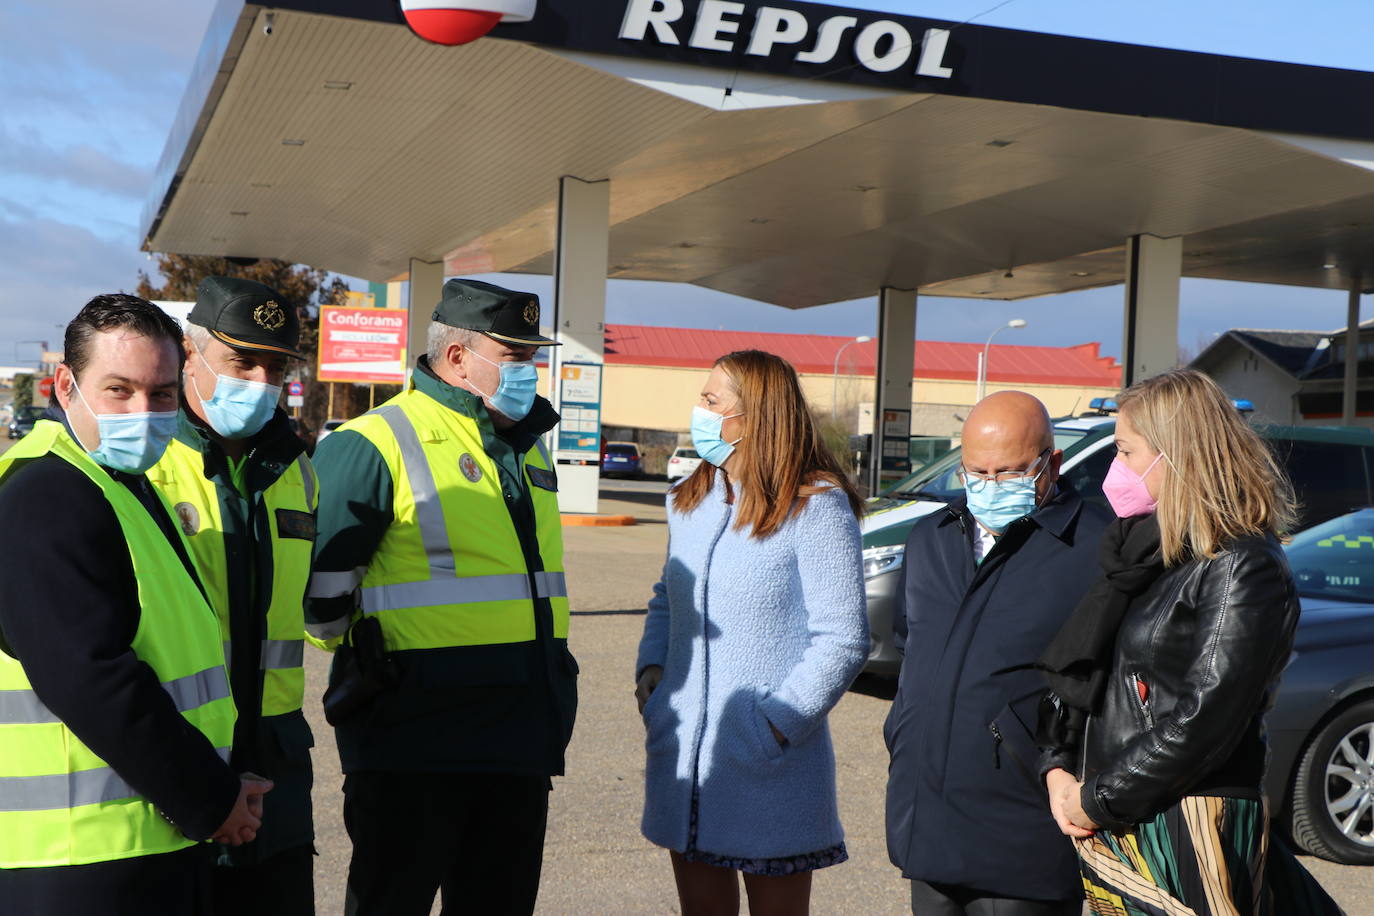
pixel 987 583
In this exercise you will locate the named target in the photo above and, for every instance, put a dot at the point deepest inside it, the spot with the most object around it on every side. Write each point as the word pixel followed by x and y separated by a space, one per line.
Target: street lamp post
pixel 983 357
pixel 835 373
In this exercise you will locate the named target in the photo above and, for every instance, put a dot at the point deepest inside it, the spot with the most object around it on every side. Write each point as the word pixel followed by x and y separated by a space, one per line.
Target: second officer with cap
pixel 450 540
pixel 244 493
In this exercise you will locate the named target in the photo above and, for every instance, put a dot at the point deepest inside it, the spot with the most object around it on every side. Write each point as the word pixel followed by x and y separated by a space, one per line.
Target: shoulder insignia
pixel 470 468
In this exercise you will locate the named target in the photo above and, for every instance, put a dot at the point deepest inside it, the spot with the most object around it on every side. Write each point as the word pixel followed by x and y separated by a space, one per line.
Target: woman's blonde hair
pixel 1222 482
pixel 781 460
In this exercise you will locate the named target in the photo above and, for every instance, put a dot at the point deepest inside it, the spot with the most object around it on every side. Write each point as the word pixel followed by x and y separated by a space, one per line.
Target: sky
pixel 89 88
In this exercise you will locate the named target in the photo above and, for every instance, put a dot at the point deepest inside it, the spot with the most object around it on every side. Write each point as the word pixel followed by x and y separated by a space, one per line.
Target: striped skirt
pixel 1205 856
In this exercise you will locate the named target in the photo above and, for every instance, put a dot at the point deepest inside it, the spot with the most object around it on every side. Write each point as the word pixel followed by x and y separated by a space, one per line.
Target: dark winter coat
pixel 965 805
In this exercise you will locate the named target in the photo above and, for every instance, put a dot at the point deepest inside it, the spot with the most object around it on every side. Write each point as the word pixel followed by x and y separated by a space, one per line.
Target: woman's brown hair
pixel 781 459
pixel 1222 482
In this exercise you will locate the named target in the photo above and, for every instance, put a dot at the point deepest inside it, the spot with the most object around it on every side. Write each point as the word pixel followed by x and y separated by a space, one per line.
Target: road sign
pixel 362 345
pixel 295 389
pixel 45 387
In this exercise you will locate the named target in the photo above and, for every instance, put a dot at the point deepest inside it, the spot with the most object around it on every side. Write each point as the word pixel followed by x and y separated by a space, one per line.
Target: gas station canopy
pixel 793 153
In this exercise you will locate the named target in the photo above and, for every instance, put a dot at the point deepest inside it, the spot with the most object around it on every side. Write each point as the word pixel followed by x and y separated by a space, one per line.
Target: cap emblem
pixel 269 316
pixel 471 470
pixel 532 313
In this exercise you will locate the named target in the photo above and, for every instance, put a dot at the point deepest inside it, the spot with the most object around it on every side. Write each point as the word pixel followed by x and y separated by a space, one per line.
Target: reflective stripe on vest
pixel 276 654
pixel 282 653
pixel 451 570
pixel 60 803
pixel 22 707
pixel 308 480
pixel 429 513
pixel 462 590
pixel 69 790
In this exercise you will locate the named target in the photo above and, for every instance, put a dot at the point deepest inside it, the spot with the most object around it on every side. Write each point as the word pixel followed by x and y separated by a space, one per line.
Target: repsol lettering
pixel 882 46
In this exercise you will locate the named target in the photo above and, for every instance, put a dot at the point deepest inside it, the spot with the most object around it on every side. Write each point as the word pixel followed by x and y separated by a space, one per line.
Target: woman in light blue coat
pixel 754 632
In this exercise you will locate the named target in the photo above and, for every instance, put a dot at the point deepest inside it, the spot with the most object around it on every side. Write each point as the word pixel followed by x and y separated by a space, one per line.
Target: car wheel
pixel 1333 792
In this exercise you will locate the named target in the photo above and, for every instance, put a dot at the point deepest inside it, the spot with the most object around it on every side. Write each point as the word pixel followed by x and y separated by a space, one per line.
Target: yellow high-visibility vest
pixel 60 804
pixel 450 571
pixel 180 476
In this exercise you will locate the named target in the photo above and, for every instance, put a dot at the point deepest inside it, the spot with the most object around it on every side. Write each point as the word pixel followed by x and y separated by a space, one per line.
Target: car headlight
pixel 878 560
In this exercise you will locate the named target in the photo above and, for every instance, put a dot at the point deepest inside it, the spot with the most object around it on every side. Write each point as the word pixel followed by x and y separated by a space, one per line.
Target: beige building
pixel 654 376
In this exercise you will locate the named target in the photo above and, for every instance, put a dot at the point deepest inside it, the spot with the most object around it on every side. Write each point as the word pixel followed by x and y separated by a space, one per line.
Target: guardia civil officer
pixel 244 495
pixel 115 716
pixel 449 537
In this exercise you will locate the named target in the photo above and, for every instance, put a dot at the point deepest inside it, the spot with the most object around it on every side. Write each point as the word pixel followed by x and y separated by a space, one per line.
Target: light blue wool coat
pixel 750 632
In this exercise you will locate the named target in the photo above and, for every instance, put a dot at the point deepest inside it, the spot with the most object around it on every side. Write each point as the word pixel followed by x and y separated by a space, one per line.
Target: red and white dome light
pixel 457 22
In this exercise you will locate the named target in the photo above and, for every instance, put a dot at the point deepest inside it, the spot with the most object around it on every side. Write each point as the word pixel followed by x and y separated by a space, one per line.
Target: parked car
pixel 621 458
pixel 1321 729
pixel 682 462
pixel 1331 471
pixel 328 427
pixel 24 418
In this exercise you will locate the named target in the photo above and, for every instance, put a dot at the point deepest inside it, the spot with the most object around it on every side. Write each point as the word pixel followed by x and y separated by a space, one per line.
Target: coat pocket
pixel 772 750
pixel 1140 692
pixel 1013 745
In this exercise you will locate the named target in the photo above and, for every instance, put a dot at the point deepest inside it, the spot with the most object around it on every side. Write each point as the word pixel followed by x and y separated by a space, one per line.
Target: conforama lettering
pixel 374 318
pixel 882 46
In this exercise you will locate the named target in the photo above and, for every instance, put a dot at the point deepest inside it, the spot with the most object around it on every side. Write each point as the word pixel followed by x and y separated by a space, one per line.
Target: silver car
pixel 1321 730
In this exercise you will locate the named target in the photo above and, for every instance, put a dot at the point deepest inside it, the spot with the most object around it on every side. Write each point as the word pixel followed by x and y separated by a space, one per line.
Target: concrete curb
pixel 597 521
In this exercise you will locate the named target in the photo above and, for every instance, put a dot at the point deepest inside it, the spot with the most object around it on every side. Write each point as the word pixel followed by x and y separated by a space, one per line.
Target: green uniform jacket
pixel 460 707
pixel 254 561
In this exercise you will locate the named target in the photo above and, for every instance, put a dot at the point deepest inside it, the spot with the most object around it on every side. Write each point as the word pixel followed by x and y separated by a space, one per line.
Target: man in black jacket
pixel 987 583
pixel 74 614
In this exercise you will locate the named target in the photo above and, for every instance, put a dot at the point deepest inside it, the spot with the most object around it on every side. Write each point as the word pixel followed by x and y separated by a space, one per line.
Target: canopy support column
pixel 1352 354
pixel 426 288
pixel 1154 267
pixel 579 321
pixel 889 452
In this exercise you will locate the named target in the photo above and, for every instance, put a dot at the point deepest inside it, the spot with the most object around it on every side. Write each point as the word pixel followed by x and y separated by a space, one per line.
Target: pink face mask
pixel 1126 492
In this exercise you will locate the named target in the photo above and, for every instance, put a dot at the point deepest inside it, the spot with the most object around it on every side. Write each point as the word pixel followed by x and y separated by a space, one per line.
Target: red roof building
pixel 1009 365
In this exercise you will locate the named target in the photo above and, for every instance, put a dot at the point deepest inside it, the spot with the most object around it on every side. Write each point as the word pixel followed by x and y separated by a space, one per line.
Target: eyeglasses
pixel 976 482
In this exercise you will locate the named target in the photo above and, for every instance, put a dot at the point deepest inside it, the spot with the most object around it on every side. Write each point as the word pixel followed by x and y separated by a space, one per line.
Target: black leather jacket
pixel 1208 642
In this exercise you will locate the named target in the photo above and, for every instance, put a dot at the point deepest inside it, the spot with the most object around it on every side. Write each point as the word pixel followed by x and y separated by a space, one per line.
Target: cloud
pixel 81 165
pixel 132 39
pixel 50 270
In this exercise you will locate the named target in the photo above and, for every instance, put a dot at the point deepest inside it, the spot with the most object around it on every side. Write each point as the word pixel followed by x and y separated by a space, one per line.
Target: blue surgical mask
pixel 996 504
pixel 706 437
pixel 129 442
pixel 239 408
pixel 514 395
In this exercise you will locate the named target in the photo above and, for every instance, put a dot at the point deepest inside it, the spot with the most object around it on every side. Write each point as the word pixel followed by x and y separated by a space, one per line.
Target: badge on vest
pixel 189 517
pixel 294 524
pixel 470 468
pixel 541 478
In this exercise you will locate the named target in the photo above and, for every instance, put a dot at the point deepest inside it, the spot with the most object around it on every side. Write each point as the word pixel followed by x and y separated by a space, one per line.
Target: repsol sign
pixel 727 26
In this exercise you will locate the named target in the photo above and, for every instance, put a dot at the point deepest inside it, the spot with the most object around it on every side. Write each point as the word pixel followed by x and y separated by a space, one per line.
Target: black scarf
pixel 1079 658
